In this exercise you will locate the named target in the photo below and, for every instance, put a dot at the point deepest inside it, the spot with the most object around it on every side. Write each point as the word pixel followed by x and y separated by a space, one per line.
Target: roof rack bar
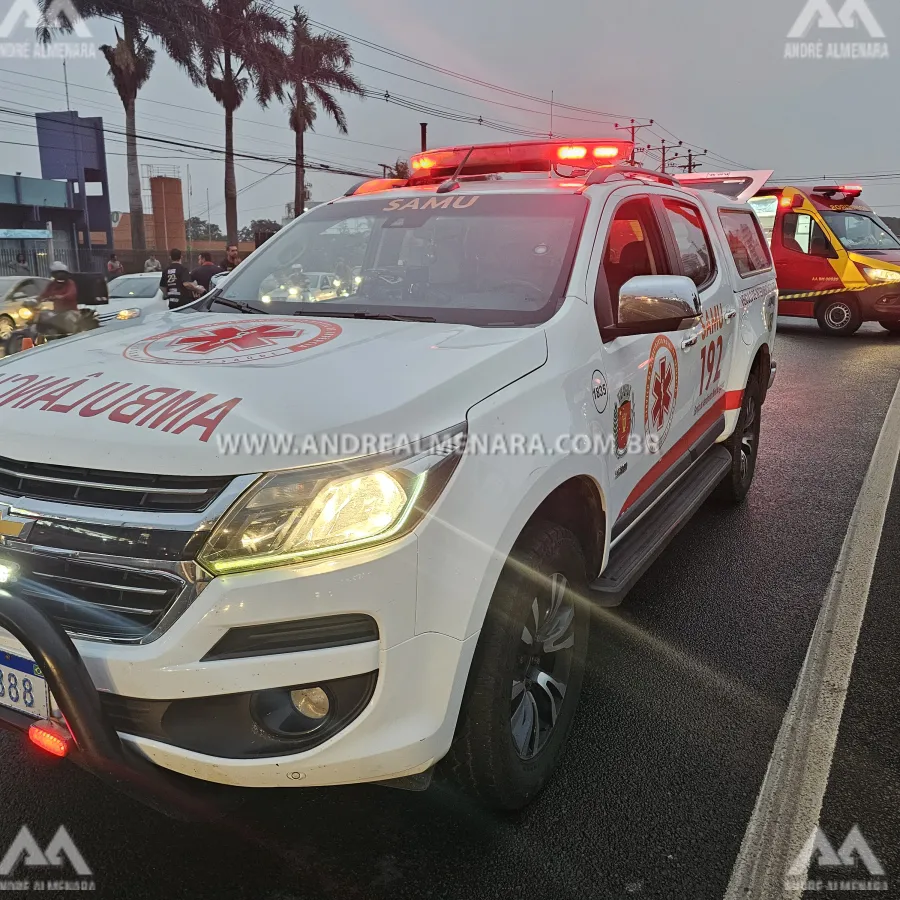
pixel 601 176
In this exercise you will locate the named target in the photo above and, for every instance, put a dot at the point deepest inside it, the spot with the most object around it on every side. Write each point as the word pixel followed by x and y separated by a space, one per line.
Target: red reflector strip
pixel 733 400
pixel 51 737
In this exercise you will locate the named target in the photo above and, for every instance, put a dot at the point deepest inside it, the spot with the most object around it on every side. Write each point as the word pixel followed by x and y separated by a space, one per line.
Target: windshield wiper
pixel 390 317
pixel 234 304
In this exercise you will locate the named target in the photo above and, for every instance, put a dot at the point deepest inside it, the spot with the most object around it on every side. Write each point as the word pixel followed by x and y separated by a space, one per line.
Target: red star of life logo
pixel 662 394
pixel 235 338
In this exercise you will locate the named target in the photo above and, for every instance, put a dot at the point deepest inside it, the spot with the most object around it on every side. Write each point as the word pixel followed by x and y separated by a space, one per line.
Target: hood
pixel 876 258
pixel 166 396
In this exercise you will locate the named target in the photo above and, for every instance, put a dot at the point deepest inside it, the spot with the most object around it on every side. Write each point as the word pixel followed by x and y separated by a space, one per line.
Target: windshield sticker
pixel 432 203
pixel 264 340
pixel 169 409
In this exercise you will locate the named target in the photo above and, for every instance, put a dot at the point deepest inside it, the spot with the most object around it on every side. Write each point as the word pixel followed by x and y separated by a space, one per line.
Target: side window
pixel 801 233
pixel 692 240
pixel 634 247
pixel 746 242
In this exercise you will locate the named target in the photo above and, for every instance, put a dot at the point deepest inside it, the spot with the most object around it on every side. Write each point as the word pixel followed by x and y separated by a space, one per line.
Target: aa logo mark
pixel 821 14
pixel 60 14
pixel 855 848
pixel 26 846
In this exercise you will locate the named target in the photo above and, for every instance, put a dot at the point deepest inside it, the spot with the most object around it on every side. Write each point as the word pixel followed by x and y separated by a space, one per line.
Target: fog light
pixel 311 702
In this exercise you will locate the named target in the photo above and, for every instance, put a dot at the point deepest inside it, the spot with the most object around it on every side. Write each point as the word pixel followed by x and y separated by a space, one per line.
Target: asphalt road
pixel 685 693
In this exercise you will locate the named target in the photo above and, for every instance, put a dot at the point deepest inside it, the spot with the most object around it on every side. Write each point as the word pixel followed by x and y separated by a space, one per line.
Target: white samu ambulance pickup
pixel 547 362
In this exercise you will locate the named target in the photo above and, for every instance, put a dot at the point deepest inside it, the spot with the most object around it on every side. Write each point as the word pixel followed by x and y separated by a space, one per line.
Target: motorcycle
pixel 43 324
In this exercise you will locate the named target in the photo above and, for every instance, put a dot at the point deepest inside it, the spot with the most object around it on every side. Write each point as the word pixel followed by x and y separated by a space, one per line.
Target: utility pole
pixel 692 160
pixel 664 149
pixel 633 128
pixel 384 168
pixel 423 131
pixel 551 114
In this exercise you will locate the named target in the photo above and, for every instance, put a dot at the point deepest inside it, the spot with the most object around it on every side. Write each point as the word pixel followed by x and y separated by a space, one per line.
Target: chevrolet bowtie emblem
pixel 11 526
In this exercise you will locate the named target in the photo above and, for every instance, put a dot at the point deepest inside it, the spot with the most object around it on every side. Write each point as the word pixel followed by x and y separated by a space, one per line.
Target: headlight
pixel 128 314
pixel 881 276
pixel 358 279
pixel 289 517
pixel 26 313
pixel 292 292
pixel 336 282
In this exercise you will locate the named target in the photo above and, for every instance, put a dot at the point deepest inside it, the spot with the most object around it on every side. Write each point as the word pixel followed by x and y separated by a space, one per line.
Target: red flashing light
pixel 786 202
pixel 525 156
pixel 377 185
pixel 51 737
pixel 851 188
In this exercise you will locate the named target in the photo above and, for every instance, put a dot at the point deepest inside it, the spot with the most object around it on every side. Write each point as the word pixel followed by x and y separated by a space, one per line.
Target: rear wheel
pixel 892 327
pixel 526 677
pixel 839 317
pixel 743 446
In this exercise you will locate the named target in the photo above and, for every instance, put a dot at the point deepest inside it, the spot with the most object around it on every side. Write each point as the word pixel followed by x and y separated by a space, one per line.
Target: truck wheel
pixel 839 317
pixel 743 446
pixel 892 327
pixel 526 677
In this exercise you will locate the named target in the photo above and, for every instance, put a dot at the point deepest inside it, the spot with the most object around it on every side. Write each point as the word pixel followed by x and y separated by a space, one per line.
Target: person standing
pixel 20 266
pixel 152 264
pixel 175 282
pixel 232 258
pixel 203 274
pixel 114 268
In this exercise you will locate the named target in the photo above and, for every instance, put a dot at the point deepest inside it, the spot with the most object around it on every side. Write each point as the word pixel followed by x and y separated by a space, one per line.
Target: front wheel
pixel 743 446
pixel 526 677
pixel 839 317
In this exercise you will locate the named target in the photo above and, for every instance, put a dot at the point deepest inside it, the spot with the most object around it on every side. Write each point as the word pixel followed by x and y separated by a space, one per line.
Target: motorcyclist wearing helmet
pixel 62 290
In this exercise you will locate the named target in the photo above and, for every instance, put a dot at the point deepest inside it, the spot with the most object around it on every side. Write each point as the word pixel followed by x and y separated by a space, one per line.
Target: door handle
pixel 730 314
pixel 690 341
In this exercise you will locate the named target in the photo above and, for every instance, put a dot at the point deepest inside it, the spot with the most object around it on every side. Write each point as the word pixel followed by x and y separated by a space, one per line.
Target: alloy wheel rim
pixel 838 315
pixel 543 667
pixel 749 438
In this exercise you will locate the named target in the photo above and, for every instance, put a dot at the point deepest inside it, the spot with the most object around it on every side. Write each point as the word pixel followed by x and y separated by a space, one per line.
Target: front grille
pixel 109 490
pixel 94 599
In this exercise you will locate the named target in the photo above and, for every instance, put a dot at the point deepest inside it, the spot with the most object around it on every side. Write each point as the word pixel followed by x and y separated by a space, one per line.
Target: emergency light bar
pixel 527 156
pixel 848 190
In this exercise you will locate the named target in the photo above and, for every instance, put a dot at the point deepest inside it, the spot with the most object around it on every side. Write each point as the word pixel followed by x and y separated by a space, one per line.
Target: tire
pixel 7 326
pixel 892 327
pixel 743 446
pixel 515 719
pixel 839 317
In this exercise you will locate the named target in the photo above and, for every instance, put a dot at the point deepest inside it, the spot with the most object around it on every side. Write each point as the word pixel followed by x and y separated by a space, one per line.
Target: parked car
pixel 13 290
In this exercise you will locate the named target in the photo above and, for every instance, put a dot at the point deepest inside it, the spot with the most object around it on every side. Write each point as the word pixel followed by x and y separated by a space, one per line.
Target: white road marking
pixel 790 799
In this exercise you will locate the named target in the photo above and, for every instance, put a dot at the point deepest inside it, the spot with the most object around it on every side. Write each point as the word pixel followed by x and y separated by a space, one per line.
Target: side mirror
pixel 648 301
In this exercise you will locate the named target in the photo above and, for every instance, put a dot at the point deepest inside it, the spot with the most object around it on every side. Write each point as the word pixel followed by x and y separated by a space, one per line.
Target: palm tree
pixel 400 169
pixel 130 60
pixel 240 49
pixel 316 65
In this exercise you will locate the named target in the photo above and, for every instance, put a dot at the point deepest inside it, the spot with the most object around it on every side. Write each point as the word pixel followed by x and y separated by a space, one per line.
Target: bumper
pixel 404 728
pixel 880 303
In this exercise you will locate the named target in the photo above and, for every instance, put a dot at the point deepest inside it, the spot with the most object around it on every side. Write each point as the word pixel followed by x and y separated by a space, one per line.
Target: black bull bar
pixel 98 747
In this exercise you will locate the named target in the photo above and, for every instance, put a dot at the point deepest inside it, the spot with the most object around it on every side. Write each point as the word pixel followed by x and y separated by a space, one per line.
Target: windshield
pixel 766 209
pixel 468 259
pixel 134 287
pixel 861 231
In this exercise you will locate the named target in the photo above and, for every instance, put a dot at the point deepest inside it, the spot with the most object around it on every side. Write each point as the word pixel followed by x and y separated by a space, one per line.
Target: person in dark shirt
pixel 203 274
pixel 175 283
pixel 232 258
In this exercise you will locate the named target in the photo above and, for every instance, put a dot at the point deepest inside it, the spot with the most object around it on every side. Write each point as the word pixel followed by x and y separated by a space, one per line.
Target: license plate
pixel 22 686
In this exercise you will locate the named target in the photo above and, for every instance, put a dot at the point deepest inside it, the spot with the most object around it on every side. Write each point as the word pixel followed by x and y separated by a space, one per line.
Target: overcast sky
pixel 711 72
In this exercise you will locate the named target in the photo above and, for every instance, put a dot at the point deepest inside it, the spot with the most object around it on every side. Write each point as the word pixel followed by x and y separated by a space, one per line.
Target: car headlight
pixel 881 276
pixel 26 313
pixel 128 314
pixel 308 513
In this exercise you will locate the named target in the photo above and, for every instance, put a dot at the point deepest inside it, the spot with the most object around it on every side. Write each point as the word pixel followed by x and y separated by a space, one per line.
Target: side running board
pixel 638 550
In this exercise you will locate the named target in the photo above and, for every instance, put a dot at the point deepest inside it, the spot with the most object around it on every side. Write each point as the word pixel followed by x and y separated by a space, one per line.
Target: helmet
pixel 58 267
